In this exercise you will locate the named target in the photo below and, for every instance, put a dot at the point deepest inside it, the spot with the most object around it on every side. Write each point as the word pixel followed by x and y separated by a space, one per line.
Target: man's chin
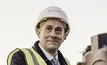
pixel 52 47
pixel 53 43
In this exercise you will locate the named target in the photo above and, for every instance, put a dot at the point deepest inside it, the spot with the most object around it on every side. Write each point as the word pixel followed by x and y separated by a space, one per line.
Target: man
pixel 52 28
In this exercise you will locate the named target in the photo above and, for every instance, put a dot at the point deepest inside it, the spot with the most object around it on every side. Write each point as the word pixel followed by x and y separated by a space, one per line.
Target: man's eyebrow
pixel 59 27
pixel 49 26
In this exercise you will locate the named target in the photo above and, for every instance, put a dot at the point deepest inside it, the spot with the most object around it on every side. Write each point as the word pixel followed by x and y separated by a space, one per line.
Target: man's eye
pixel 58 30
pixel 49 28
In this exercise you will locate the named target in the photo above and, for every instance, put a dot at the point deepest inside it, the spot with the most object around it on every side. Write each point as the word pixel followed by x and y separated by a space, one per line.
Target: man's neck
pixel 49 55
pixel 52 52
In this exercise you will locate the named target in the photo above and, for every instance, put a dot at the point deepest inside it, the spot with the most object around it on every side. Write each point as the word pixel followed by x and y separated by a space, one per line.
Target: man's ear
pixel 38 33
pixel 64 36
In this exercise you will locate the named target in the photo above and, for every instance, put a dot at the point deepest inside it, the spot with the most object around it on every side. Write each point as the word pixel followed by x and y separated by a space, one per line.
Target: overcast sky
pixel 17 21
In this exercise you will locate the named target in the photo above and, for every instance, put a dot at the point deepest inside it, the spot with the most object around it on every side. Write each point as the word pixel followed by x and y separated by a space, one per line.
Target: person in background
pixel 88 56
pixel 52 28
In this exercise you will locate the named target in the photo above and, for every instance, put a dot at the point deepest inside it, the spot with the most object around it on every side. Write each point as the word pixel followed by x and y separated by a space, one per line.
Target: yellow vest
pixel 32 57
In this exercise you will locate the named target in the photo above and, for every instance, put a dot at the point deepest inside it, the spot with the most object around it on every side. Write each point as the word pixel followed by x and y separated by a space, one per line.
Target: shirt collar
pixel 47 54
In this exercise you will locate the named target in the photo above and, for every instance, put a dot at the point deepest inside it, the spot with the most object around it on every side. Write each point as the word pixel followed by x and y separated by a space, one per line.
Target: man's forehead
pixel 54 23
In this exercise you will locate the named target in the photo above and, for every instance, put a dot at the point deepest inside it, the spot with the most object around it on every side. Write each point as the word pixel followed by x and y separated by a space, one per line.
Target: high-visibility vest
pixel 32 57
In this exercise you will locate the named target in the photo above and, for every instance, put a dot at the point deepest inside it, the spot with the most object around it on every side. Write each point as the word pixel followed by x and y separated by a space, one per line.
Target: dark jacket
pixel 19 59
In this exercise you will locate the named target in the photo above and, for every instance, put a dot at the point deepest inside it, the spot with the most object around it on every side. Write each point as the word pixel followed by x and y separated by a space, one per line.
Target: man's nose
pixel 53 34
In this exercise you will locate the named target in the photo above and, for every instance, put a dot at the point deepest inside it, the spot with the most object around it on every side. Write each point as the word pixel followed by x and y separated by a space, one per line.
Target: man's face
pixel 51 34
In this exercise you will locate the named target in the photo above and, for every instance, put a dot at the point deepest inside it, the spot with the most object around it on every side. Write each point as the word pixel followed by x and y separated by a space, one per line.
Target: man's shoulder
pixel 18 53
pixel 16 57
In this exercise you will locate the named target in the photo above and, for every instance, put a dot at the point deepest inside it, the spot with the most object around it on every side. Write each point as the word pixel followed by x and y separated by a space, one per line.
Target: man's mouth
pixel 52 41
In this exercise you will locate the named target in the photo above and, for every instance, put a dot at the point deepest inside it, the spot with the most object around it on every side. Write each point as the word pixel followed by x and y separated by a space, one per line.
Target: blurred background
pixel 17 24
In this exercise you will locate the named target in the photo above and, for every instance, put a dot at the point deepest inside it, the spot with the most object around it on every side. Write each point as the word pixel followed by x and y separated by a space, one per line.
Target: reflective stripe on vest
pixel 33 57
pixel 28 57
pixel 38 57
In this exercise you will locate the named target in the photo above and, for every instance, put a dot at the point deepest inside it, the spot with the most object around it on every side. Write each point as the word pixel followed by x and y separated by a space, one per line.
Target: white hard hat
pixel 53 12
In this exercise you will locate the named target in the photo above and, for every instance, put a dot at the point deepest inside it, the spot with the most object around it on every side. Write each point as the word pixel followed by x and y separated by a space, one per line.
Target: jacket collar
pixel 40 52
